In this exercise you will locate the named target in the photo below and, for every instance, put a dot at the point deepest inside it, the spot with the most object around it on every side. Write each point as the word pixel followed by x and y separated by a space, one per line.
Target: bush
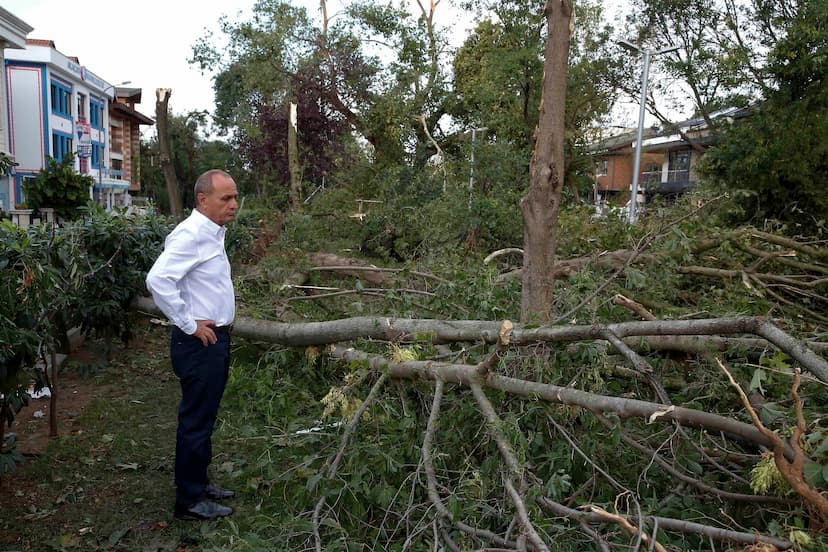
pixel 58 186
pixel 83 274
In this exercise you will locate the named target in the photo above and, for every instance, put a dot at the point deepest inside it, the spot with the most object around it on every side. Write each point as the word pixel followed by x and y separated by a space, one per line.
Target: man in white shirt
pixel 190 282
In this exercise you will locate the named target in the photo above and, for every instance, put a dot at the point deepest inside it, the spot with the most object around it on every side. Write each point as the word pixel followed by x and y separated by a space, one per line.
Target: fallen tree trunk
pixel 482 376
pixel 625 408
pixel 706 343
pixel 347 266
pixel 440 331
pixel 358 269
pixel 567 268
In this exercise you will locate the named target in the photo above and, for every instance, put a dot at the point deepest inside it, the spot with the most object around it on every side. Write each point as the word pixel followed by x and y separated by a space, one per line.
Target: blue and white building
pixel 56 106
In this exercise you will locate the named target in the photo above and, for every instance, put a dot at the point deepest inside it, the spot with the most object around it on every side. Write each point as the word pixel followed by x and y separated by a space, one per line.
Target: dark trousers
pixel 203 373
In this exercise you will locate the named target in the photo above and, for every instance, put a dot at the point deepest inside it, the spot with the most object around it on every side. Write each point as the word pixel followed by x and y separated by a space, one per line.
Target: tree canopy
pixel 776 158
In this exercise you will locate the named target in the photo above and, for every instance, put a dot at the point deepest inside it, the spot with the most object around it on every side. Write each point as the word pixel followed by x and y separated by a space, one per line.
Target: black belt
pixel 223 329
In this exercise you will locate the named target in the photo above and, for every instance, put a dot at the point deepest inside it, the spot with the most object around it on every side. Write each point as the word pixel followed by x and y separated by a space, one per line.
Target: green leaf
pixel 454 507
pixel 695 467
pixel 823 447
pixel 117 535
pixel 313 481
pixel 769 412
pixel 814 473
pixel 330 522
pixel 756 381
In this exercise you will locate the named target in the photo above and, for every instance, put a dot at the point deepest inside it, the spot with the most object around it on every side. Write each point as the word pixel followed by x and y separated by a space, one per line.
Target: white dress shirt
pixel 190 280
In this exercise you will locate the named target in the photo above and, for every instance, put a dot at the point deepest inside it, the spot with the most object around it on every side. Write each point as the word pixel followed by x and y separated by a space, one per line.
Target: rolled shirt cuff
pixel 189 328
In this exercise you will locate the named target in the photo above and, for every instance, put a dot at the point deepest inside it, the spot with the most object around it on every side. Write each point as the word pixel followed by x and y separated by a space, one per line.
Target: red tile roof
pixel 40 42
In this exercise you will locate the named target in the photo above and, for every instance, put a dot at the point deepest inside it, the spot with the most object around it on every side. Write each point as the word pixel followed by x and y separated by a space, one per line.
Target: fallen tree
pixel 440 331
pixel 789 272
pixel 486 378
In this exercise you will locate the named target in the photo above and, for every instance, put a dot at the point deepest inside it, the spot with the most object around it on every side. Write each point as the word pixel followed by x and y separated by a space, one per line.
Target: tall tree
pixel 372 70
pixel 775 160
pixel 161 116
pixel 541 204
pixel 498 71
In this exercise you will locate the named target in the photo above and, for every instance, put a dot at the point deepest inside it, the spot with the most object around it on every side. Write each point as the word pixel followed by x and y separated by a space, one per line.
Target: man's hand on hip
pixel 204 331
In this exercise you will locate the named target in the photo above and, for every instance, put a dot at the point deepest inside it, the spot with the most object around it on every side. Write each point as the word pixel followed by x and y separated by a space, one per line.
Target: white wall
pixel 26 99
pixel 13 31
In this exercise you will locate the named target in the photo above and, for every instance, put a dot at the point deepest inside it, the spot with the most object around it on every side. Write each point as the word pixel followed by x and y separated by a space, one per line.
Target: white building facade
pixel 56 106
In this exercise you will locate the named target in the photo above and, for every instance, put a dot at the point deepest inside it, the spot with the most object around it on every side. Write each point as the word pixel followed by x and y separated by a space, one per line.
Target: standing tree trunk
pixel 541 203
pixel 162 96
pixel 293 160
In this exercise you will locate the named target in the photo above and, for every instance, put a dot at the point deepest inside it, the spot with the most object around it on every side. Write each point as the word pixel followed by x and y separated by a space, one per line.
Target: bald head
pixel 216 194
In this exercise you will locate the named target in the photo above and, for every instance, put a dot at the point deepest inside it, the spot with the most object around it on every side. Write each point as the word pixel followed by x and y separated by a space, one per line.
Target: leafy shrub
pixel 58 186
pixel 82 274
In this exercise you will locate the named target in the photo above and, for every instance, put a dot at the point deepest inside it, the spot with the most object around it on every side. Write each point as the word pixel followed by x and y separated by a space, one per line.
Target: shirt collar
pixel 202 220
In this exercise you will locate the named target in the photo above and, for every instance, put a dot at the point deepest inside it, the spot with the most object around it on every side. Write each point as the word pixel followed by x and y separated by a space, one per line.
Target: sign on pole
pixel 84 138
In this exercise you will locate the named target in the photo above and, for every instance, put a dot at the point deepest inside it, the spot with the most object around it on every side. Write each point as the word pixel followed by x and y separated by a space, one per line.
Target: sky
pixel 148 45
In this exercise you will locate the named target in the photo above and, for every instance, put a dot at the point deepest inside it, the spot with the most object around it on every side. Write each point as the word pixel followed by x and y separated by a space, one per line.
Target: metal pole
pixel 471 163
pixel 639 136
pixel 471 168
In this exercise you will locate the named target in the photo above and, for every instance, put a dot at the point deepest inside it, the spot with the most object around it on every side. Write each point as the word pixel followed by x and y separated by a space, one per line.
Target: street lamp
pixel 115 86
pixel 640 134
pixel 471 162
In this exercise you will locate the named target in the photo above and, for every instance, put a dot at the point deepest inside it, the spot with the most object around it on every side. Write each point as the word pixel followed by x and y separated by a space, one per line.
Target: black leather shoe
pixel 205 509
pixel 217 493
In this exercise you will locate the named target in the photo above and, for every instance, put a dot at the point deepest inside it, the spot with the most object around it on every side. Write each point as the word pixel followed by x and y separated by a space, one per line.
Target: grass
pixel 107 486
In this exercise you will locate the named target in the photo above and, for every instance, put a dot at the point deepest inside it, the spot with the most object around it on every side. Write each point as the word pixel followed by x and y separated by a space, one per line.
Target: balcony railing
pixel 669 188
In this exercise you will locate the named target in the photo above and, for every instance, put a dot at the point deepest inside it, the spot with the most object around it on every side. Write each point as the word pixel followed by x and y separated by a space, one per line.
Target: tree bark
pixel 541 204
pixel 623 407
pixel 447 331
pixel 293 160
pixel 161 115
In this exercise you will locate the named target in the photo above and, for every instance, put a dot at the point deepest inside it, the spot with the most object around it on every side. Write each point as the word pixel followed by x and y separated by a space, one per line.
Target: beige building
pixel 125 133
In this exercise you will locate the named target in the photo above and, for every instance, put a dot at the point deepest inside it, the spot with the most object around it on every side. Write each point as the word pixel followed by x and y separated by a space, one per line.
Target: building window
pixel 61 145
pixel 117 169
pixel 81 106
pixel 97 154
pixel 679 166
pixel 96 118
pixel 61 99
pixel 602 167
pixel 651 175
pixel 19 186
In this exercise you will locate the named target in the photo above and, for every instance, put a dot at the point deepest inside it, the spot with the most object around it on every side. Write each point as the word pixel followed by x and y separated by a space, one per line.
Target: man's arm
pixel 179 257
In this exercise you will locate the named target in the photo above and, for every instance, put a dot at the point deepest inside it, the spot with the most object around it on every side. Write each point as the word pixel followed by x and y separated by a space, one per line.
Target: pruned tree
pixel 162 124
pixel 541 204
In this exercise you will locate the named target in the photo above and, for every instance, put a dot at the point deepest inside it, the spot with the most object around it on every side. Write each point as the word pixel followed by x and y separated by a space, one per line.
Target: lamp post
pixel 471 162
pixel 642 107
pixel 115 86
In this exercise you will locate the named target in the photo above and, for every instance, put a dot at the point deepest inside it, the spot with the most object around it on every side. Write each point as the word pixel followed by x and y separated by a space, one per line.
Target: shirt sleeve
pixel 179 257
